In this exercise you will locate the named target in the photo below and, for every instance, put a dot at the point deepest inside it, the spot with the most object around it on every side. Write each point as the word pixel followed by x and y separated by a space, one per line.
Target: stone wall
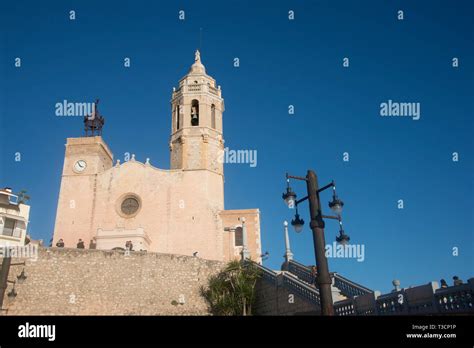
pixel 98 282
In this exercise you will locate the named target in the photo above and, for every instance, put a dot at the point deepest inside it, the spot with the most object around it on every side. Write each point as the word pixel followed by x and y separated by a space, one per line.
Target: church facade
pixel 175 211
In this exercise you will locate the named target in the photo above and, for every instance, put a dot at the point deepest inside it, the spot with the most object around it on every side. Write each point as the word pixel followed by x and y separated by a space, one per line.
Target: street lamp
pixel 289 196
pixel 4 271
pixel 12 294
pixel 342 238
pixel 317 226
pixel 297 222
pixel 336 204
pixel 22 277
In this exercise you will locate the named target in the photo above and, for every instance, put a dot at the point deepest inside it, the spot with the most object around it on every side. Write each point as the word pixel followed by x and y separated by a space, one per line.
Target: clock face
pixel 129 206
pixel 80 166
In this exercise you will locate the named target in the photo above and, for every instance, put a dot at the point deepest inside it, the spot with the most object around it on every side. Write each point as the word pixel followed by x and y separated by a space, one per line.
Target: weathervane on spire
pixel 94 122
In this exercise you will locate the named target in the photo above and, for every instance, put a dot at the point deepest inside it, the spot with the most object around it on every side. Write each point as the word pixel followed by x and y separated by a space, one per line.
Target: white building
pixel 13 219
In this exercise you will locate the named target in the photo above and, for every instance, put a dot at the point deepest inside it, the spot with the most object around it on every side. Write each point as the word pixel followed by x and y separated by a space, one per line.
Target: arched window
pixel 213 116
pixel 195 113
pixel 177 117
pixel 239 236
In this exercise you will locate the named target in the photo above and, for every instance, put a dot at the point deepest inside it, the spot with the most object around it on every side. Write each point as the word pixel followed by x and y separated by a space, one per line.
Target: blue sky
pixel 282 62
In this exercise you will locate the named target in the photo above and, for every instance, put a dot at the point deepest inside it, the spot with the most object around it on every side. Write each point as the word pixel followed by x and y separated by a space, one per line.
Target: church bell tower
pixel 196 128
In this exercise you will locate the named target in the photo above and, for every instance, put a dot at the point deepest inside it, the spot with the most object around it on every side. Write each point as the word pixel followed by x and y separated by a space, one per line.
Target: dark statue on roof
pixel 94 122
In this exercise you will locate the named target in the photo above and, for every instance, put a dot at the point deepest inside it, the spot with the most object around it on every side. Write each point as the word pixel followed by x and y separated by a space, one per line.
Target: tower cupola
pixel 196 128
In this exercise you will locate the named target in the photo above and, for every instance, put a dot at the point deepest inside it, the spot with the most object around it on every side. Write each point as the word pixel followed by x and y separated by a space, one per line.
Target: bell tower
pixel 196 127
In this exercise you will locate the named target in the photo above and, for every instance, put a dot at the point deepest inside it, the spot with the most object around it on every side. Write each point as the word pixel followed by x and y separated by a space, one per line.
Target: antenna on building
pixel 200 39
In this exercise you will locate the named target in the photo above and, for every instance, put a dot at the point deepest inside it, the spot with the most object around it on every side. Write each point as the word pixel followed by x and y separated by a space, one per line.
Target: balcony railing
pixel 292 283
pixel 418 300
pixel 198 88
pixel 213 90
pixel 301 288
pixel 455 299
pixel 348 288
pixel 194 88
pixel 301 271
pixel 344 307
pixel 267 274
pixel 392 304
pixel 425 299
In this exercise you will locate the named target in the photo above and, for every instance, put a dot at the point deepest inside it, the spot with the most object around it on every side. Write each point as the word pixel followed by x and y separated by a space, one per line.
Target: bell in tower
pixel 195 113
pixel 196 132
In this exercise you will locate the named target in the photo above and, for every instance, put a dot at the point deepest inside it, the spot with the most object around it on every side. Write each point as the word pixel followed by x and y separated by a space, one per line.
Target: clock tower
pixel 85 158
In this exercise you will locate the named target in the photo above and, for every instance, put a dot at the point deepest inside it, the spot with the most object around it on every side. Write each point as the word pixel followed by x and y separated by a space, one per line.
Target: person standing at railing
pixel 457 281
pixel 80 244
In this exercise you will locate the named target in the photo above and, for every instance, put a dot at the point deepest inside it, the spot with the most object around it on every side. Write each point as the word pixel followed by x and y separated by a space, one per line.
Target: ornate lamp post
pixel 317 226
pixel 4 270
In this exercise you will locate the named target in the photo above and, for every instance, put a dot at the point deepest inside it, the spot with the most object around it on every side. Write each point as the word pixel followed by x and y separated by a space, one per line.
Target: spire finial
pixel 197 67
pixel 94 122
pixel 288 254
